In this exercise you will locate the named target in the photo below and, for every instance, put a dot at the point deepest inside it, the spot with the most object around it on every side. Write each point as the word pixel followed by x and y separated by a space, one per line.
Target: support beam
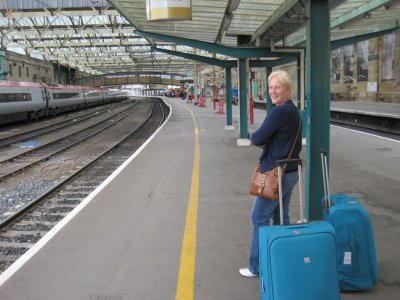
pixel 199 58
pixel 272 63
pixel 359 38
pixel 123 12
pixel 359 11
pixel 284 7
pixel 354 14
pixel 229 63
pixel 211 47
pixel 318 101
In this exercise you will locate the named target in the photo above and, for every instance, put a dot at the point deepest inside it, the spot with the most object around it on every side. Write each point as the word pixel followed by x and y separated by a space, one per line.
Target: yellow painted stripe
pixel 185 285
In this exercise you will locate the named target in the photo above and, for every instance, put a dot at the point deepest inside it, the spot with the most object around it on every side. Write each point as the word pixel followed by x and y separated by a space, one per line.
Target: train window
pixel 4 98
pixel 93 94
pixel 58 96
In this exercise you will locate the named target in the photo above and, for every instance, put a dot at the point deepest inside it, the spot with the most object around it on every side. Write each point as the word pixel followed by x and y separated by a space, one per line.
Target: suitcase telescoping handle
pixel 325 177
pixel 283 163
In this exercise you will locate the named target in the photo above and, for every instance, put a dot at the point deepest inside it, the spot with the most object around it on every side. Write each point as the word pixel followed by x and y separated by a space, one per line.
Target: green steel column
pixel 3 65
pixel 299 83
pixel 268 71
pixel 244 134
pixel 318 101
pixel 59 73
pixel 228 72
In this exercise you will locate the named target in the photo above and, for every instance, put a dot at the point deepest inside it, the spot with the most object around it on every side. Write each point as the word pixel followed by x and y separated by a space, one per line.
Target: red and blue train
pixel 32 100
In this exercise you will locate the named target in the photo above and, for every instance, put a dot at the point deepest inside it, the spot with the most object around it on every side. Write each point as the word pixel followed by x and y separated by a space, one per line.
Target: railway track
pixel 21 133
pixel 11 146
pixel 384 124
pixel 22 226
pixel 15 159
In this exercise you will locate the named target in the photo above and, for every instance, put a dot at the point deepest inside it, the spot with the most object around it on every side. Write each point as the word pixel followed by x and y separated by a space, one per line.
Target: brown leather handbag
pixel 266 184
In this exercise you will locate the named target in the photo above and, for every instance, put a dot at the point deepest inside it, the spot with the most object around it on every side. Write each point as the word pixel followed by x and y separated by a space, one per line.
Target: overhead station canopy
pixel 101 37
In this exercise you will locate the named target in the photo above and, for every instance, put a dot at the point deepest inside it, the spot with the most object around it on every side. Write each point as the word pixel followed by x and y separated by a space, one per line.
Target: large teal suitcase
pixel 298 262
pixel 355 243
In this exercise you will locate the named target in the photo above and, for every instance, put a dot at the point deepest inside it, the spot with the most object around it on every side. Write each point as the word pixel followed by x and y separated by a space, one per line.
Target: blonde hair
pixel 285 78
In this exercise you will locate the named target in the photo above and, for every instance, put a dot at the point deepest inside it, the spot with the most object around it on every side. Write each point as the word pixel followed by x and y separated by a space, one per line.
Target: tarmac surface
pixel 125 241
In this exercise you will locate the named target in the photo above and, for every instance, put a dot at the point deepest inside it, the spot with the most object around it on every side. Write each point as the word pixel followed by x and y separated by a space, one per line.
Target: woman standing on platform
pixel 276 136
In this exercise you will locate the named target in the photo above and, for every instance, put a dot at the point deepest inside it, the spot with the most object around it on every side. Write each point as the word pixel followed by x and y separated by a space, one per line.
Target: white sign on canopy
pixel 169 10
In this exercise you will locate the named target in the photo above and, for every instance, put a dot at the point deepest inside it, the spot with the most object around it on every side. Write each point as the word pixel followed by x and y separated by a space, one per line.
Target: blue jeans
pixel 265 210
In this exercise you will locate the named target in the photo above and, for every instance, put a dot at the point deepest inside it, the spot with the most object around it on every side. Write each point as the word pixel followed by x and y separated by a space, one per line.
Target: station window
pixel 10 69
pixel 27 72
pixel 19 71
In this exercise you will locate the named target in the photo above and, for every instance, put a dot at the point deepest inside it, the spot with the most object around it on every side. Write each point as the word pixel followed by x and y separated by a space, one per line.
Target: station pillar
pixel 251 99
pixel 268 71
pixel 3 65
pixel 229 124
pixel 318 101
pixel 244 133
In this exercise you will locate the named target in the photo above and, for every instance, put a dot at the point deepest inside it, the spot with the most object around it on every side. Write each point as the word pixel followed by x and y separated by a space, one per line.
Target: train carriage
pixel 94 96
pixel 31 100
pixel 65 98
pixel 111 95
pixel 21 101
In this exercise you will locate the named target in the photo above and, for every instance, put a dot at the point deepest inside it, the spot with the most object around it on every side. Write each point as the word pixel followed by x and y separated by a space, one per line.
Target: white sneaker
pixel 247 273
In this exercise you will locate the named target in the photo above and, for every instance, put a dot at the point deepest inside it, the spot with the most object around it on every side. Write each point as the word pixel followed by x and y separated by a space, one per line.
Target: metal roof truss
pixel 99 37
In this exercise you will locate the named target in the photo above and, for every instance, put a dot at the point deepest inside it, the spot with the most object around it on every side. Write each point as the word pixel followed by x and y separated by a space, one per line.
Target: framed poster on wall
pixel 387 57
pixel 348 63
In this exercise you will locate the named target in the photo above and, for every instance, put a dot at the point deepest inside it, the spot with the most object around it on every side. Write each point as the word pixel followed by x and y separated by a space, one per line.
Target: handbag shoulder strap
pixel 295 139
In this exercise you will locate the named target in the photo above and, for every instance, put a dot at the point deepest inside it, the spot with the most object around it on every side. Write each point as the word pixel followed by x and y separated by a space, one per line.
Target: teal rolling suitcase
pixel 355 243
pixel 298 262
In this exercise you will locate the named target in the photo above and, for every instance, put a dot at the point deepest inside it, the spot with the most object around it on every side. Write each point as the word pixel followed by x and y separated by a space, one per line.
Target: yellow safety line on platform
pixel 185 285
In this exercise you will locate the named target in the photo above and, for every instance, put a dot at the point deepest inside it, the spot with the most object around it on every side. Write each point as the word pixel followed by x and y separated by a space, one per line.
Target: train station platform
pixel 381 109
pixel 173 222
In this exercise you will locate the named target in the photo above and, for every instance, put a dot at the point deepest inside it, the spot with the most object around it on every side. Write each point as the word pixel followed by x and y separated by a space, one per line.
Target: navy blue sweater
pixel 279 128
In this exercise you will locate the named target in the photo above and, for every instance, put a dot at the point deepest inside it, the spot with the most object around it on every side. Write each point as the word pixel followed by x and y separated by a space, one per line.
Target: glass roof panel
pixel 100 35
